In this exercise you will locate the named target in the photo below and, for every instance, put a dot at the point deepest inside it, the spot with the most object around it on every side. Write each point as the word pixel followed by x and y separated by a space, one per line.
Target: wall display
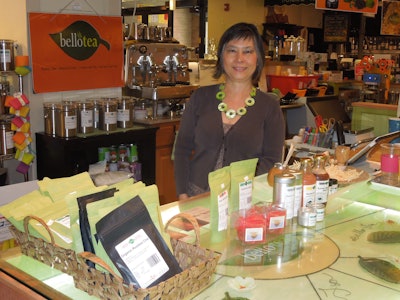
pixel 390 20
pixel 76 52
pixel 336 27
pixel 358 6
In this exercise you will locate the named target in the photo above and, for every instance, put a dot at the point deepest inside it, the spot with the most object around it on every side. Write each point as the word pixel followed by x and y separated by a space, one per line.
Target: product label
pixel 298 195
pixel 9 139
pixel 123 115
pixel 254 234
pixel 142 258
pixel 245 194
pixel 321 191
pixel 70 122
pixel 110 118
pixel 277 222
pixel 223 210
pixel 87 118
pixel 308 194
pixel 5 55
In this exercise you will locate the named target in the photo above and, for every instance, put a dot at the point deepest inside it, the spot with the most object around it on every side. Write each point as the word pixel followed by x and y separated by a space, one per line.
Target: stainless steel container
pixel 108 115
pixel 66 120
pixel 85 116
pixel 49 112
pixel 6 141
pixel 125 112
pixel 7 55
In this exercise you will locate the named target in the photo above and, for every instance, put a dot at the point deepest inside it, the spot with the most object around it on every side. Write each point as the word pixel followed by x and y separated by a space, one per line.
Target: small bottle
pixel 309 181
pixel 322 176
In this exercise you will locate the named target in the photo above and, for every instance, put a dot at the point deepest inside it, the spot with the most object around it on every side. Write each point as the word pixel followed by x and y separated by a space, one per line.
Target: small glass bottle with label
pixel 322 179
pixel 309 181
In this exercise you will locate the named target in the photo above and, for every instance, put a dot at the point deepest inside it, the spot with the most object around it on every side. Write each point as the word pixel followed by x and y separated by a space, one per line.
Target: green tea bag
pixel 17 210
pixel 219 181
pixel 242 175
pixel 58 188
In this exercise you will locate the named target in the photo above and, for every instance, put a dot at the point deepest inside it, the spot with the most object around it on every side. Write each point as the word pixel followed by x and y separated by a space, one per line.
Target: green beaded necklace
pixel 230 112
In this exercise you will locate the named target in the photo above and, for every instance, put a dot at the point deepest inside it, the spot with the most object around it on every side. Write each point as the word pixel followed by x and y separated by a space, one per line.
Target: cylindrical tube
pixel 85 117
pixel 125 113
pixel 7 55
pixel 108 115
pixel 49 113
pixel 283 193
pixel 6 141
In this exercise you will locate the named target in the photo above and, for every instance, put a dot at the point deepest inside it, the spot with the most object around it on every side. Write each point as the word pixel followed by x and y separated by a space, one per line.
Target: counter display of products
pixel 323 261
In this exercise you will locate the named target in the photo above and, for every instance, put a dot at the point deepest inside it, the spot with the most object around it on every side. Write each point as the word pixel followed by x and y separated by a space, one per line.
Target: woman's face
pixel 239 59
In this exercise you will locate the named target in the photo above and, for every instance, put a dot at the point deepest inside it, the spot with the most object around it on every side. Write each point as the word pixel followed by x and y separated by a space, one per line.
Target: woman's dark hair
pixel 241 31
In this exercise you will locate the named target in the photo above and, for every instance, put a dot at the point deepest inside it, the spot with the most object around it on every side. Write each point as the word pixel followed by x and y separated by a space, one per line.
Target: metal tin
pixel 307 216
pixel 108 115
pixel 298 190
pixel 125 113
pixel 66 121
pixel 7 55
pixel 283 192
pixel 49 112
pixel 6 138
pixel 319 210
pixel 85 117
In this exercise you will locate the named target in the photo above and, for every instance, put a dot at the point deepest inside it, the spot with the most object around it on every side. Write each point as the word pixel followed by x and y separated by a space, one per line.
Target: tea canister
pixel 108 115
pixel 6 138
pixel 66 120
pixel 125 112
pixel 49 114
pixel 85 117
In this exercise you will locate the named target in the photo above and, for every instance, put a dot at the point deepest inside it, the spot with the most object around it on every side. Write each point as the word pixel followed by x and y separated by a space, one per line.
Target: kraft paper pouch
pixel 242 175
pixel 219 182
pixel 58 188
pixel 135 245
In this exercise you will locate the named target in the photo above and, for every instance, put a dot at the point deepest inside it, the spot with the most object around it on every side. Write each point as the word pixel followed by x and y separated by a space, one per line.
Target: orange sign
pixel 358 6
pixel 75 52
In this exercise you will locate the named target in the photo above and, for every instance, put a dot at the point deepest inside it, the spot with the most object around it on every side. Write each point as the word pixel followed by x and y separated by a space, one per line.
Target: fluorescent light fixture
pixel 172 4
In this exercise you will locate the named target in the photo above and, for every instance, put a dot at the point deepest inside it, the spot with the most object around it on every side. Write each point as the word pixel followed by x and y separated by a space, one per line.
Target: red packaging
pixel 250 225
pixel 276 219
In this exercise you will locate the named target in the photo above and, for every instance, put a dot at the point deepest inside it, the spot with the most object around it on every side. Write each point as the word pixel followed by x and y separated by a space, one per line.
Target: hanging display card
pixel 335 28
pixel 75 52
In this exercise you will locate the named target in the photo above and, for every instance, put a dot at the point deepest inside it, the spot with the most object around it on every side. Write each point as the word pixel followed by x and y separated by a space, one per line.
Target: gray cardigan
pixel 260 133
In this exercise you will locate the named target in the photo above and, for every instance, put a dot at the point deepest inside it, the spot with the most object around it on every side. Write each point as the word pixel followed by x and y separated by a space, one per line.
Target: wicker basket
pixel 48 253
pixel 198 265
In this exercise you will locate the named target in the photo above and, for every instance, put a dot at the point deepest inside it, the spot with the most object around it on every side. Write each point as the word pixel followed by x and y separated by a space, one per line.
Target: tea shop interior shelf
pixel 63 157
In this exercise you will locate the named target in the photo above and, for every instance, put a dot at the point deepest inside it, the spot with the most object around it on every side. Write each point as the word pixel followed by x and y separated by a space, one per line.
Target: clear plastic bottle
pixel 309 181
pixel 322 176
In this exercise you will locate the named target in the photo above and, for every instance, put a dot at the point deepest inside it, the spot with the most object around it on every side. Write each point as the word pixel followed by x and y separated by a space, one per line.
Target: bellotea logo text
pixel 79 40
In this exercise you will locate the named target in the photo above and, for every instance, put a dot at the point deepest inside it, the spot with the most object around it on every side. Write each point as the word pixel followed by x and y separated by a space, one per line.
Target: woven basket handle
pixel 192 221
pixel 43 223
pixel 98 261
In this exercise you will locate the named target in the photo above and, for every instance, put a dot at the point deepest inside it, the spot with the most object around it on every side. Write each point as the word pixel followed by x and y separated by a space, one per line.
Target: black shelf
pixel 63 157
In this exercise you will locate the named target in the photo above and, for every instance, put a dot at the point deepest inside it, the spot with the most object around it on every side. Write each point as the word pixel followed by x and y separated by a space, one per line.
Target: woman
pixel 232 121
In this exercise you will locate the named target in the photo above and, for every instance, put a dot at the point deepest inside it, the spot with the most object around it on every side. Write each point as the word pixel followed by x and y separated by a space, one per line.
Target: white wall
pixel 14 25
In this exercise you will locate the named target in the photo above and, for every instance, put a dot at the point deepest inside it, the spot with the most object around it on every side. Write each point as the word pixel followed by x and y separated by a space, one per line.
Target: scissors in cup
pixel 324 124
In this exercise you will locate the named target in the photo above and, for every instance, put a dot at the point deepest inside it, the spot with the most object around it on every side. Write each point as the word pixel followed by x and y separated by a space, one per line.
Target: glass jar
pixel 309 181
pixel 322 179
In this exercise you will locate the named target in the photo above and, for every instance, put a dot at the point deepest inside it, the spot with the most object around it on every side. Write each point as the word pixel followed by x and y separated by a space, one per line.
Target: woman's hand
pixel 183 197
